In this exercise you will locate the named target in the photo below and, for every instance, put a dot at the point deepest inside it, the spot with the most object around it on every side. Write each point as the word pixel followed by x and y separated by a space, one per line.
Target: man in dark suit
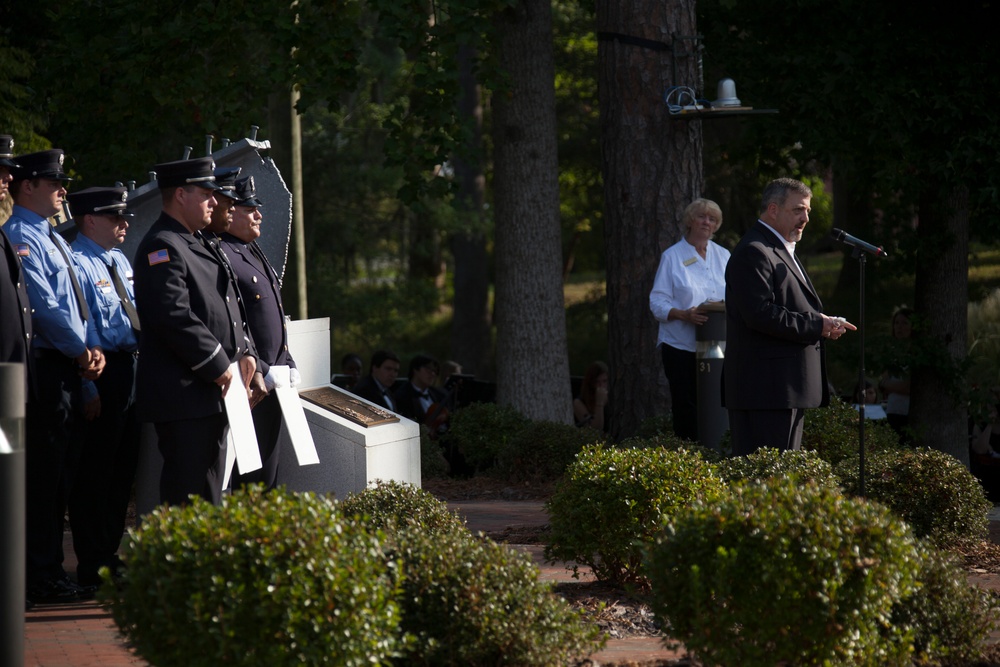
pixel 377 385
pixel 15 310
pixel 775 363
pixel 192 332
pixel 260 290
pixel 416 397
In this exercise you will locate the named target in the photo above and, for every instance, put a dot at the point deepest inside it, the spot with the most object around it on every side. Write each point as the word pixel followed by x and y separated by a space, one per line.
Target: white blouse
pixel 682 281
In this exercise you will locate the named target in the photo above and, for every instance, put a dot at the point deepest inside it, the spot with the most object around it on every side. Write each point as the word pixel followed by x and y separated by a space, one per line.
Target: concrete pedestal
pixel 351 456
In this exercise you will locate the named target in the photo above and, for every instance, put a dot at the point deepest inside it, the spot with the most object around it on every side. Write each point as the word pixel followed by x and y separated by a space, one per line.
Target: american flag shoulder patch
pixel 158 257
pixel 22 249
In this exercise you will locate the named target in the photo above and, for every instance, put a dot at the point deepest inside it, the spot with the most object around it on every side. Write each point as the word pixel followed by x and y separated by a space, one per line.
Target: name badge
pixel 689 262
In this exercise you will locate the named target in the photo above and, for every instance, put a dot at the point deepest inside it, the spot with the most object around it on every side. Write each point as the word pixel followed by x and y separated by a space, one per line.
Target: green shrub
pixel 931 490
pixel 671 441
pixel 388 506
pixel 785 573
pixel 611 502
pixel 481 430
pixel 950 618
pixel 469 602
pixel 542 450
pixel 263 579
pixel 657 425
pixel 832 432
pixel 769 462
pixel 433 464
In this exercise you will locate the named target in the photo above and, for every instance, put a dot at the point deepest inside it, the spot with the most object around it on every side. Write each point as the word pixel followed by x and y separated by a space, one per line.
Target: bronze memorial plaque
pixel 349 407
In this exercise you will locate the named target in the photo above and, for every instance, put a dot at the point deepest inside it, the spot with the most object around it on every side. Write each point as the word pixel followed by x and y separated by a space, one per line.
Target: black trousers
pixel 52 451
pixel 682 374
pixel 267 424
pixel 98 502
pixel 778 429
pixel 194 458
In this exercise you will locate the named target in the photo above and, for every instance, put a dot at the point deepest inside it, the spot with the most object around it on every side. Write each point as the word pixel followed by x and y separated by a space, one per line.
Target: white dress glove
pixel 294 378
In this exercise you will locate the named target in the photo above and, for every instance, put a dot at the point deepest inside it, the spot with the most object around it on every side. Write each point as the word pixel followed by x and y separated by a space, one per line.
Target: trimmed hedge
pixel 931 490
pixel 832 432
pixel 480 431
pixel 785 573
pixel 262 579
pixel 542 450
pixel 769 462
pixel 467 601
pixel 612 501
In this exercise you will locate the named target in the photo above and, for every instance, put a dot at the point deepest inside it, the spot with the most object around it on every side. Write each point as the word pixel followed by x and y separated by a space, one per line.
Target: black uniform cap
pixel 43 164
pixel 198 171
pixel 246 193
pixel 225 180
pixel 99 201
pixel 7 151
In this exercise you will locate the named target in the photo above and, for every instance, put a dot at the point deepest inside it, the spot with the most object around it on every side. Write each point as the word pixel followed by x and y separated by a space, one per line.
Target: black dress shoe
pixel 55 591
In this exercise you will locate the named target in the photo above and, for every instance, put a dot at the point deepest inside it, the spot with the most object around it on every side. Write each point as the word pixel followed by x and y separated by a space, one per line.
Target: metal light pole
pixel 12 521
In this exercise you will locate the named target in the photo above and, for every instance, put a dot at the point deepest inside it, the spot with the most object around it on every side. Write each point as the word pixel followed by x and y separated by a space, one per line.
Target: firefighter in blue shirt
pixel 99 499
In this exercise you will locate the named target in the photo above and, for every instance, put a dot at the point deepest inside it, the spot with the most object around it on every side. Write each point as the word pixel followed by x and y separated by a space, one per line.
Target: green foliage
pixel 832 432
pixel 931 490
pixel 667 440
pixel 390 506
pixel 466 600
pixel 804 466
pixel 785 573
pixel 469 601
pixel 984 340
pixel 542 450
pixel 433 464
pixel 263 579
pixel 482 430
pixel 950 618
pixel 612 502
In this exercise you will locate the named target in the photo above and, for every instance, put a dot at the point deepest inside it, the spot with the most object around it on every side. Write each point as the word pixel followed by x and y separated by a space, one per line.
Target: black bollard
pixel 12 522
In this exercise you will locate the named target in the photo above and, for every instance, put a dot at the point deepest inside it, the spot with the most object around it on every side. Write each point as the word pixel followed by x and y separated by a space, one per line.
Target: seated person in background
pixel 377 385
pixel 986 437
pixel 872 408
pixel 350 371
pixel 416 397
pixel 588 407
pixel 895 382
pixel 448 368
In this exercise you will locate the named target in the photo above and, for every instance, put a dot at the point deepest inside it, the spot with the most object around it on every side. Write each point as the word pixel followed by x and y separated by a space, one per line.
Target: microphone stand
pixel 860 256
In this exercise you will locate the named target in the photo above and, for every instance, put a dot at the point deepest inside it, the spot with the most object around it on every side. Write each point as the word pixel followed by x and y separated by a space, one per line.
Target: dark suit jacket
pixel 191 325
pixel 408 401
pixel 367 389
pixel 15 311
pixel 775 356
pixel 261 293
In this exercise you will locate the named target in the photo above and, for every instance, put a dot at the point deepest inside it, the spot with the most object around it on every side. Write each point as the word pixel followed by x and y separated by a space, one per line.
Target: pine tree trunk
pixel 938 418
pixel 470 327
pixel 532 364
pixel 652 166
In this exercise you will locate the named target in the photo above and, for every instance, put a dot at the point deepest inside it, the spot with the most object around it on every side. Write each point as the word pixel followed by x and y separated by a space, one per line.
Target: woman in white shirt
pixel 691 272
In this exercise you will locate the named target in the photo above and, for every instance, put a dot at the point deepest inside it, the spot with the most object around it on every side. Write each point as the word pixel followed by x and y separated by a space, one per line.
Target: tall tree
pixel 470 328
pixel 652 166
pixel 532 360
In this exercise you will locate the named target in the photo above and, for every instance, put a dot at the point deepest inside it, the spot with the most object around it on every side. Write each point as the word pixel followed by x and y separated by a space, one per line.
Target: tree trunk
pixel 652 166
pixel 532 360
pixel 470 327
pixel 939 419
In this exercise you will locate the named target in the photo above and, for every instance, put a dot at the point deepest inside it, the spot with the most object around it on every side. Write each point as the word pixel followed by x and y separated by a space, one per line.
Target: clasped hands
pixel 835 327
pixel 253 381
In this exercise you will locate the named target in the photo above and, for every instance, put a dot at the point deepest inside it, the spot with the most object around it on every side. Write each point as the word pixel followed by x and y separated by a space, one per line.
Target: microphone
pixel 841 235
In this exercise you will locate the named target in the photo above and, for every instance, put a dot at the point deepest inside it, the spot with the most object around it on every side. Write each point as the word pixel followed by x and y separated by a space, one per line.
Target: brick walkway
pixel 83 634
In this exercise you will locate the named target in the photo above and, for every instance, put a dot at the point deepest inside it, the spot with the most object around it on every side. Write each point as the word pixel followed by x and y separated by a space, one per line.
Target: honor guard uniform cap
pixel 7 151
pixel 99 201
pixel 246 193
pixel 225 181
pixel 43 164
pixel 198 171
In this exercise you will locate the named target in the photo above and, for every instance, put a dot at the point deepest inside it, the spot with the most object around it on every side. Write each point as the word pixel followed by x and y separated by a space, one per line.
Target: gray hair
pixel 777 192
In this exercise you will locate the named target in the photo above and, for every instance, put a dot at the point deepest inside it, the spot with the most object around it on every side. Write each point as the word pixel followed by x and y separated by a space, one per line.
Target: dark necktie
pixel 127 304
pixel 80 301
